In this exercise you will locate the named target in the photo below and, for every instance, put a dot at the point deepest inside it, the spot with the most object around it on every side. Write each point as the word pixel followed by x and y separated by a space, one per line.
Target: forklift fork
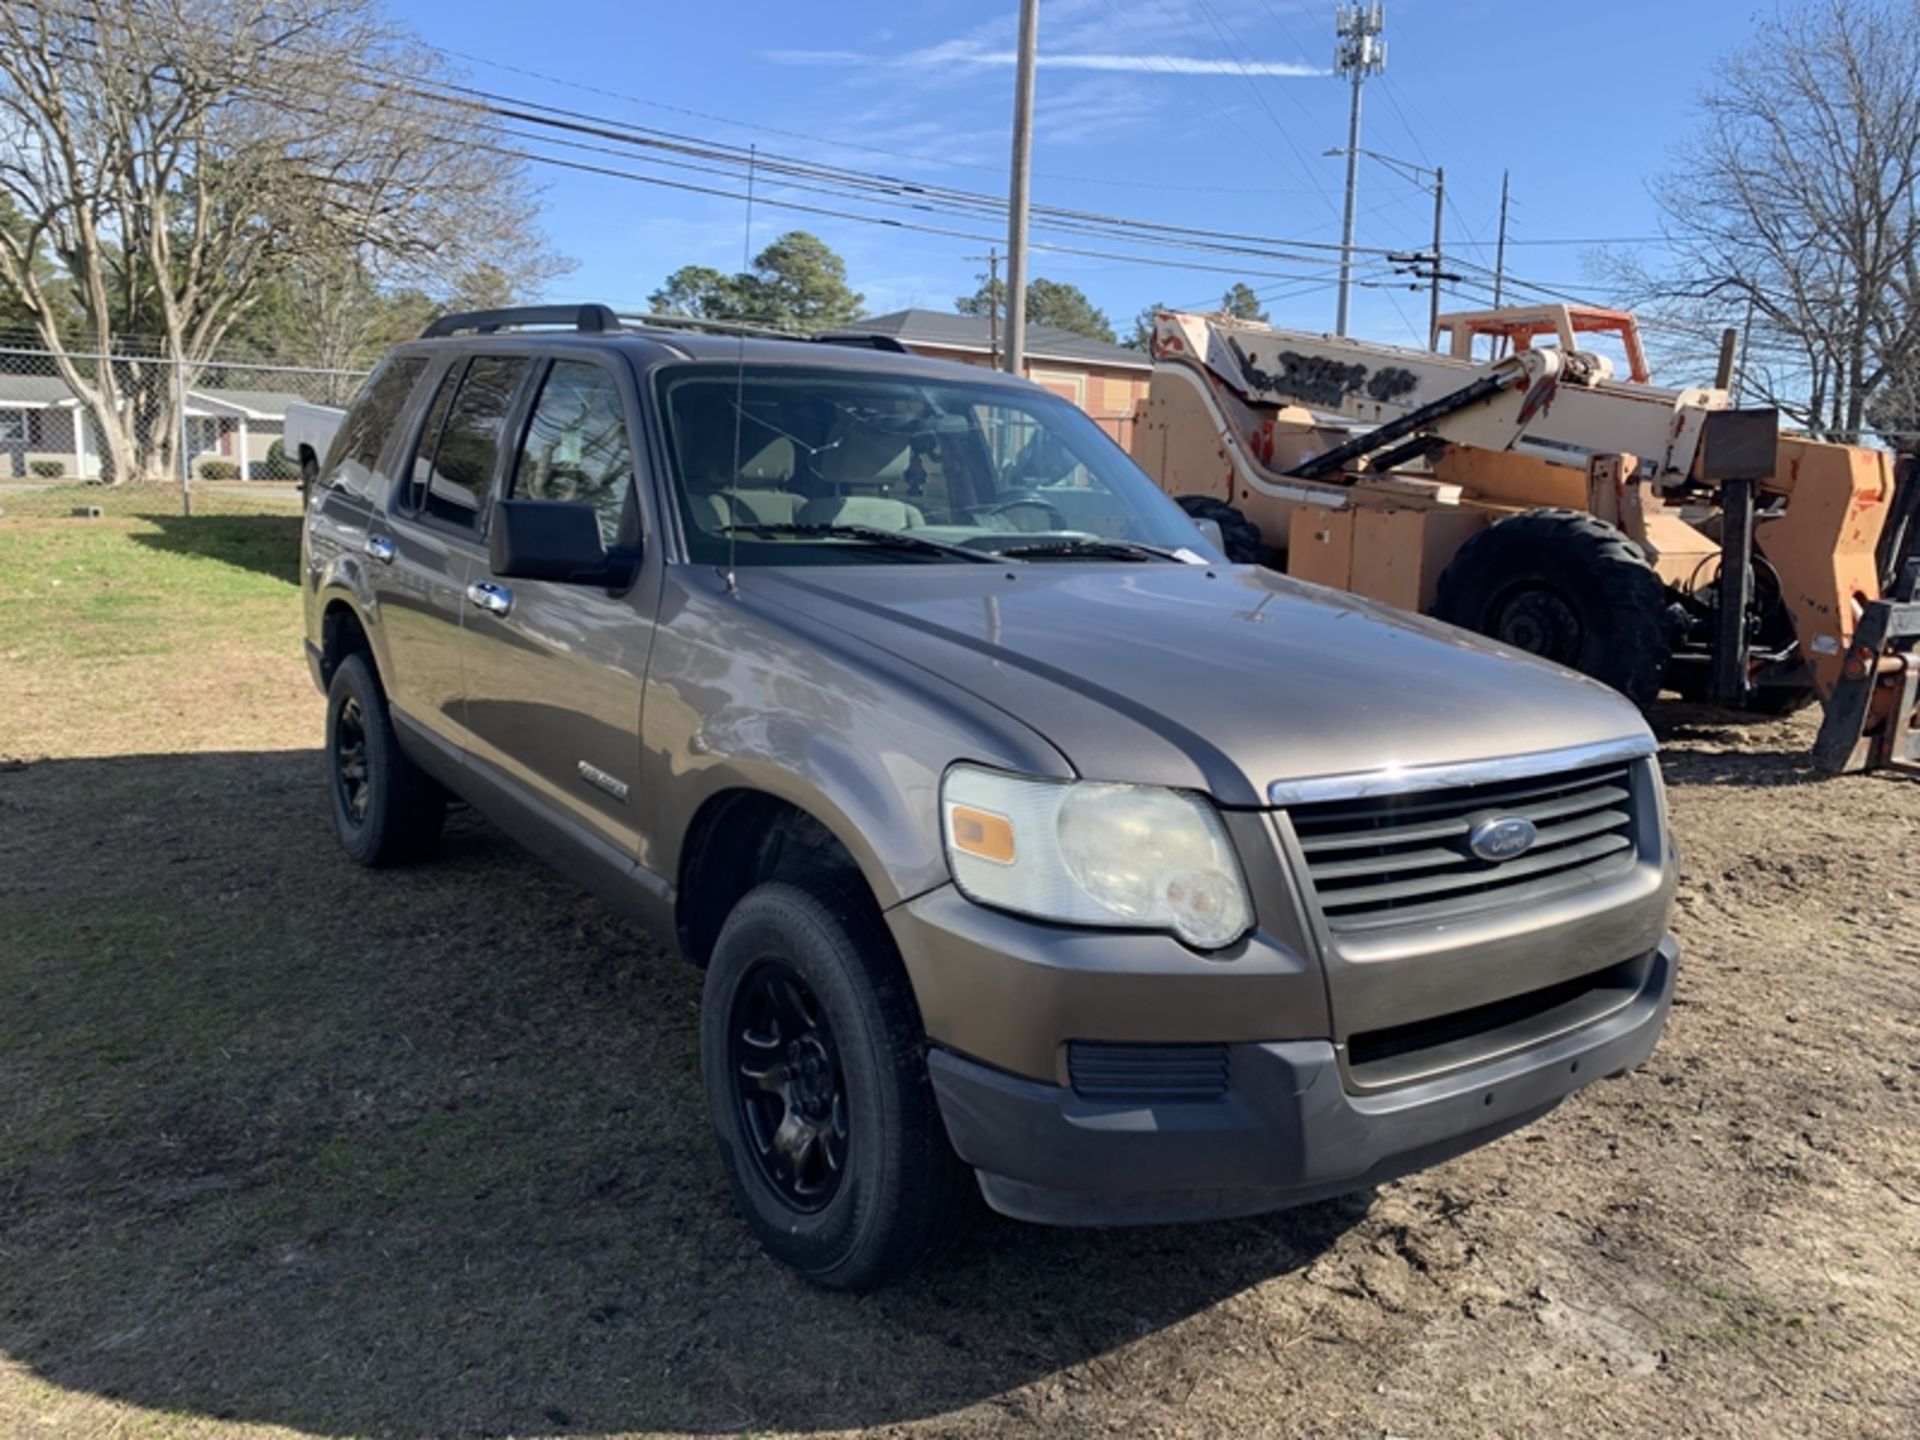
pixel 1871 717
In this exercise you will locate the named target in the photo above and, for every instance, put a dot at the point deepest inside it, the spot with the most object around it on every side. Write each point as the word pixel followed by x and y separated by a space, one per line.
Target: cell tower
pixel 1357 53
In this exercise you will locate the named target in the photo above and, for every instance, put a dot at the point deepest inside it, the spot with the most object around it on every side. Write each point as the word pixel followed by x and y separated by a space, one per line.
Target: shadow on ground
pixel 421 1152
pixel 268 544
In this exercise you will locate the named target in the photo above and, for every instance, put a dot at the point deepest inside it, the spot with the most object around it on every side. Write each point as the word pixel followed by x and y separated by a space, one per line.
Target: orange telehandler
pixel 1651 537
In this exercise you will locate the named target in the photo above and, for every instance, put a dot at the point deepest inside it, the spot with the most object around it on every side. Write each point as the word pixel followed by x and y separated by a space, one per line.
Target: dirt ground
pixel 290 1147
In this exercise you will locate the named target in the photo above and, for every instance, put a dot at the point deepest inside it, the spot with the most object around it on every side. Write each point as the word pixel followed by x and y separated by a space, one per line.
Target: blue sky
pixel 1210 113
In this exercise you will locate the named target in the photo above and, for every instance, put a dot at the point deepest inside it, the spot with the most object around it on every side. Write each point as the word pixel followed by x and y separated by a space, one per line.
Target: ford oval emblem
pixel 1502 837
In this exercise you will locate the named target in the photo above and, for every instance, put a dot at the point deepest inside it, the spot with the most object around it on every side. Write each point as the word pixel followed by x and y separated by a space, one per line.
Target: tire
pixel 838 1068
pixel 1567 586
pixel 385 810
pixel 1241 536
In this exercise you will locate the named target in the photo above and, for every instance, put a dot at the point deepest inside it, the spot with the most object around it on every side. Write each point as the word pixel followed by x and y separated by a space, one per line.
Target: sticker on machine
pixel 1826 644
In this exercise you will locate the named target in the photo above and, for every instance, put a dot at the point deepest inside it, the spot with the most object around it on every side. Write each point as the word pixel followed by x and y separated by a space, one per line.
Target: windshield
pixel 820 467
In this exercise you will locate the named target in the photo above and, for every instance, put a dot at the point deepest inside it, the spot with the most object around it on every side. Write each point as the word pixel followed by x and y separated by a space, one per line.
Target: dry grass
pixel 290 1147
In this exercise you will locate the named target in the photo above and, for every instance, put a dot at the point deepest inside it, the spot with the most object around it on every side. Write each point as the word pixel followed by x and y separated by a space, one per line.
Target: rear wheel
pixel 817 1087
pixel 385 810
pixel 1568 587
pixel 1240 535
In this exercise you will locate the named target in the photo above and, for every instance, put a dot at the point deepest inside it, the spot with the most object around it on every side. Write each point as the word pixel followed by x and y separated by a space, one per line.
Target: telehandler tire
pixel 1240 536
pixel 1566 586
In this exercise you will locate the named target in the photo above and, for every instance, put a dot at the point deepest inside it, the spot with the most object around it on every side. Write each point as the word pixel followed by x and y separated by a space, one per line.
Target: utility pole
pixel 1357 53
pixel 1500 249
pixel 993 305
pixel 1433 304
pixel 1018 186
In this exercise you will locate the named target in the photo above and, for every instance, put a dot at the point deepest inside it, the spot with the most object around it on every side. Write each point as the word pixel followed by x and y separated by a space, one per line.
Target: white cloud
pixel 955 53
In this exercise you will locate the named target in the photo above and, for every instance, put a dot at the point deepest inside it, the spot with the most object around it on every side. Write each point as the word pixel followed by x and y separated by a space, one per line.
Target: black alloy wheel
pixel 385 810
pixel 787 1086
pixel 350 771
pixel 814 1063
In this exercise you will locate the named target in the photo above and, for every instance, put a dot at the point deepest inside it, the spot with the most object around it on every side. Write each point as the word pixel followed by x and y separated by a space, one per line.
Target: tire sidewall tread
pixel 1629 639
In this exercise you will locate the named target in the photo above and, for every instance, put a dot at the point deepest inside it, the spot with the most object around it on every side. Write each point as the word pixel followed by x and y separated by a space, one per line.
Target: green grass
pixel 37 501
pixel 131 630
pixel 146 586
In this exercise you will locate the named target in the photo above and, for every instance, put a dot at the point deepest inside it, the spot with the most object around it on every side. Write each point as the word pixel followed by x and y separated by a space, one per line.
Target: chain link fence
pixel 143 434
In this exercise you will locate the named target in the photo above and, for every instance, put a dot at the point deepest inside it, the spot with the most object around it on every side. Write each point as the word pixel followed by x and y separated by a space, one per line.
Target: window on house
pixel 13 426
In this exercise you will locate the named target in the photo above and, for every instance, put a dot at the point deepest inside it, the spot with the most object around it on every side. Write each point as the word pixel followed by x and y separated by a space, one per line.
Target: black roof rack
pixel 587 319
pixel 701 326
pixel 867 342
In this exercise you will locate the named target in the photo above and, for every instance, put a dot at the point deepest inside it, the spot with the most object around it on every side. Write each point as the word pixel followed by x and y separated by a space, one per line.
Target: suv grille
pixel 1402 859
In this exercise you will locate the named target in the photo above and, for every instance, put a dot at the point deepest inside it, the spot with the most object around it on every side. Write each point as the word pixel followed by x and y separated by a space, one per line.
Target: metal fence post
pixel 186 455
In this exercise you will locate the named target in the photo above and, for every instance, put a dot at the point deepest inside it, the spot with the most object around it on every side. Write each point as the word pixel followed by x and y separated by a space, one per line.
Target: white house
pixel 42 424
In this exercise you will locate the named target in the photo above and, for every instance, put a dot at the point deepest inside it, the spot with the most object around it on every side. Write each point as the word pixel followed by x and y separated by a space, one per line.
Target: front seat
pixel 859 469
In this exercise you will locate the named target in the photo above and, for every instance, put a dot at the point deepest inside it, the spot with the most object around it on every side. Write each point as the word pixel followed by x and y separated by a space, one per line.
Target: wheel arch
pixel 343 632
pixel 743 836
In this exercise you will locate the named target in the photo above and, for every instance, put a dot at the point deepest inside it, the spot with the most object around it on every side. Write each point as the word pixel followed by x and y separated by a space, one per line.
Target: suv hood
pixel 1222 679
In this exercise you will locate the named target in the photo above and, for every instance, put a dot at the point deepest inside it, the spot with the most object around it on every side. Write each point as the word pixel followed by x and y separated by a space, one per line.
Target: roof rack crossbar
pixel 587 319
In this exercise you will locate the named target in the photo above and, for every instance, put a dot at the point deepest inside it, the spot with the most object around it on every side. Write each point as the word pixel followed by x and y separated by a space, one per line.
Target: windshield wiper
pixel 1095 549
pixel 867 534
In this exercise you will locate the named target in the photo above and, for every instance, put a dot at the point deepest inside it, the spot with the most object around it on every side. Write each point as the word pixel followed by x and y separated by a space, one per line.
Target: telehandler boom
pixel 1646 535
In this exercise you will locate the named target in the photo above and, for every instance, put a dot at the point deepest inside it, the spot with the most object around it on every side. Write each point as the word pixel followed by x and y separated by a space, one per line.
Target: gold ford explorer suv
pixel 1028 847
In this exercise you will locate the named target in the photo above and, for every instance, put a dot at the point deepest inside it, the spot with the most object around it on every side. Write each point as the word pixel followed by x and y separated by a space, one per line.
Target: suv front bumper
pixel 1288 1129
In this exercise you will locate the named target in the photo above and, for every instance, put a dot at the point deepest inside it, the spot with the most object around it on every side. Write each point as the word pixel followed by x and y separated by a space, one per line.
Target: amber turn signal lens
pixel 979 832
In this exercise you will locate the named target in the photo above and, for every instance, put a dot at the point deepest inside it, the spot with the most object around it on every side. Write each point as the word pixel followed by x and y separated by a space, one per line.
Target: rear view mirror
pixel 555 540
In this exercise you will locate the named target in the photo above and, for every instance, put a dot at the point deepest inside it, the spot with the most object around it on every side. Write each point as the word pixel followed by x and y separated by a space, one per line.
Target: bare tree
pixel 1795 212
pixel 176 158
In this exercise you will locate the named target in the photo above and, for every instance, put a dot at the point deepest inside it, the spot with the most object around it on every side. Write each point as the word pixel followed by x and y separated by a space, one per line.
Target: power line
pixel 847 185
pixel 1148 48
pixel 945 159
pixel 1230 39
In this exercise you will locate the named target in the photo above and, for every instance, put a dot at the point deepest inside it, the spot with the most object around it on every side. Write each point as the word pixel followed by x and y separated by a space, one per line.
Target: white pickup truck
pixel 309 434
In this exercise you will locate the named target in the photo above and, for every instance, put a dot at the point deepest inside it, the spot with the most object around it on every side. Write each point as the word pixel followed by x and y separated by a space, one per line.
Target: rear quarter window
pixel 355 459
pixel 452 487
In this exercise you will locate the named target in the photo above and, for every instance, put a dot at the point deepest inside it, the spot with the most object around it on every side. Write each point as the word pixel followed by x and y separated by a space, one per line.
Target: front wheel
pixel 817 1087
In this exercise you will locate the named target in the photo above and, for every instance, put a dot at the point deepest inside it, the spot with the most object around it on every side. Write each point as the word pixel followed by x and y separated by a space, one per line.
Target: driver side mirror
pixel 1211 530
pixel 556 540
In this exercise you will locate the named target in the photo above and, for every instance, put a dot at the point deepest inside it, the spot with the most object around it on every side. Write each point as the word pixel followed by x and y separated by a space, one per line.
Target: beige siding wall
pixel 1108 393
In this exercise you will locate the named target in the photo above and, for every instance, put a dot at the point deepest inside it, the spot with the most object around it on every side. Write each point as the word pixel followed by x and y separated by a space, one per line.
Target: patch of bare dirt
pixel 287 1145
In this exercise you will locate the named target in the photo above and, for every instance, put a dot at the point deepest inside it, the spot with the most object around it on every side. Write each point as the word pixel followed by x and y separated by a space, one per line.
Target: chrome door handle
pixel 492 598
pixel 380 548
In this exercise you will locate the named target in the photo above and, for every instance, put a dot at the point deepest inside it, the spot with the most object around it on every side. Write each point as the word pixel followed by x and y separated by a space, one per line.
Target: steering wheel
pixel 1054 519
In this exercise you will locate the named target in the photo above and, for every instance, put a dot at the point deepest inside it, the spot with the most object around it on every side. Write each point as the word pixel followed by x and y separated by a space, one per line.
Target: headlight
pixel 1087 853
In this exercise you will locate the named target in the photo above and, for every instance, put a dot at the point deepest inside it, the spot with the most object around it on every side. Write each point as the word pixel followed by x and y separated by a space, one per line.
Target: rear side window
pixel 371 418
pixel 577 447
pixel 455 484
pixel 421 475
